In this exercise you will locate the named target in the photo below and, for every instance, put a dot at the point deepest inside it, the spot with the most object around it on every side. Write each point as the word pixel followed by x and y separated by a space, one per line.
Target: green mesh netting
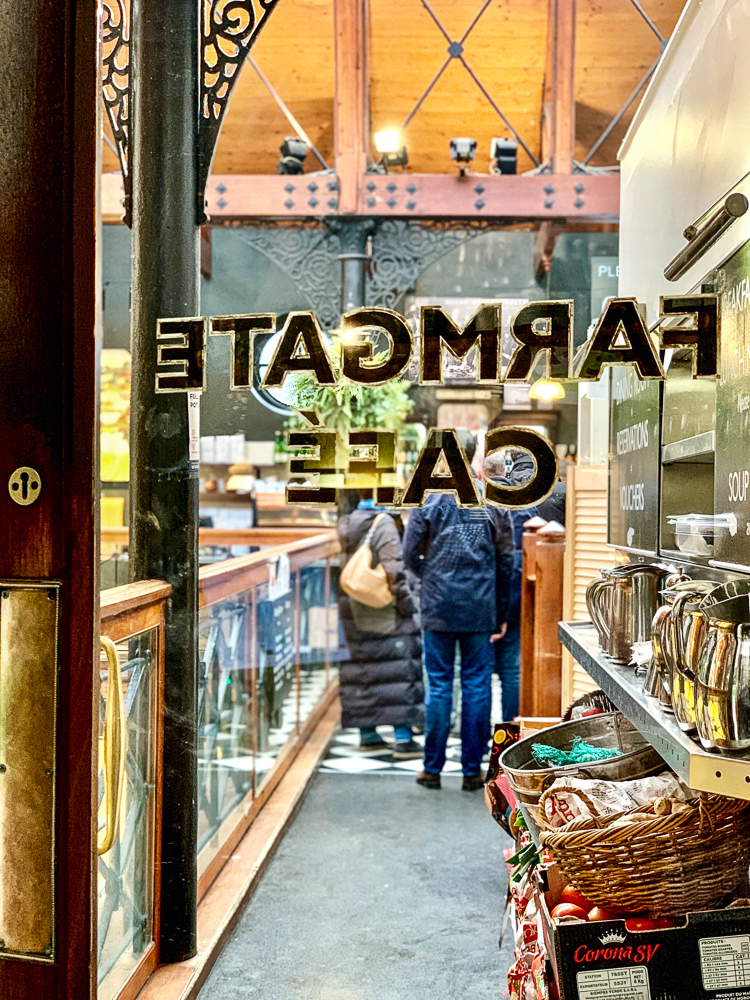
pixel 582 753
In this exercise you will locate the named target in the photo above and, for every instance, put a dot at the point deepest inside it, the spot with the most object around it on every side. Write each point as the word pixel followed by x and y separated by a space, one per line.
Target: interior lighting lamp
pixel 544 388
pixel 504 156
pixel 293 152
pixel 391 148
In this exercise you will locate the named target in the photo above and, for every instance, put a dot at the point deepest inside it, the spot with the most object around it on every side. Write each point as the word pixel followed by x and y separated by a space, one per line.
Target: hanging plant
pixel 344 407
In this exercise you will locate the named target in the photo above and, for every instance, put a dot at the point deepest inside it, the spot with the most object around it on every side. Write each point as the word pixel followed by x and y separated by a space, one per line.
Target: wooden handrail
pixel 233 576
pixel 217 581
pixel 119 600
pixel 226 536
pixel 133 608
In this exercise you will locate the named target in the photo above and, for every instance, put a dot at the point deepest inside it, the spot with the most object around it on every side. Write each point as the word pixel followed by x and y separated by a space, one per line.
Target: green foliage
pixel 344 407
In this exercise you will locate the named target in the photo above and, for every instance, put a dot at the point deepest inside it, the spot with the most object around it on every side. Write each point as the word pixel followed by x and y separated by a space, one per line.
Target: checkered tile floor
pixel 345 757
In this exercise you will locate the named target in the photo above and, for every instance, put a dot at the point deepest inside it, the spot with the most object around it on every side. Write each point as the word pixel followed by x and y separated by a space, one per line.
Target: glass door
pixel 129 791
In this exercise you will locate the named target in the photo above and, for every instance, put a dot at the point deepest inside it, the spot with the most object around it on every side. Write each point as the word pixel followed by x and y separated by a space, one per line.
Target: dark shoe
pixel 379 745
pixel 428 780
pixel 408 750
pixel 472 783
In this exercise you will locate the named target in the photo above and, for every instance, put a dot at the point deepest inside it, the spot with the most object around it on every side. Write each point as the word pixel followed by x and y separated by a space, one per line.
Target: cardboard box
pixel 708 958
pixel 528 725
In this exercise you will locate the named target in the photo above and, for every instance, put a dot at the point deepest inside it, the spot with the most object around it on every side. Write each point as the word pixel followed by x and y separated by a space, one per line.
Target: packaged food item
pixel 570 798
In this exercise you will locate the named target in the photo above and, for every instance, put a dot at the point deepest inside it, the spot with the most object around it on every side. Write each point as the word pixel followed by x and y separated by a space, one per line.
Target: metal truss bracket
pixel 116 85
pixel 228 30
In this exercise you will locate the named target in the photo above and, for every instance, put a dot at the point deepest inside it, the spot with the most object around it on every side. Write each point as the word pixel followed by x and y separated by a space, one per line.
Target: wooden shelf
pixel 704 771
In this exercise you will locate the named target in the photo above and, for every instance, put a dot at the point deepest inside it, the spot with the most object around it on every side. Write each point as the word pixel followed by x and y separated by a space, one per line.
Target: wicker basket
pixel 685 861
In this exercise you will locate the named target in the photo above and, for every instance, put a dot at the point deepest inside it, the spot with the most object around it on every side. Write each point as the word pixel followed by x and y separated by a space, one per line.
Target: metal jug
pixel 622 604
pixel 722 681
pixel 670 645
pixel 693 622
pixel 634 600
pixel 598 595
pixel 656 681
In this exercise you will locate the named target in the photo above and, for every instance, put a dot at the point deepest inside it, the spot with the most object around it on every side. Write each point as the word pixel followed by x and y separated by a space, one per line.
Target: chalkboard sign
pixel 634 461
pixel 732 470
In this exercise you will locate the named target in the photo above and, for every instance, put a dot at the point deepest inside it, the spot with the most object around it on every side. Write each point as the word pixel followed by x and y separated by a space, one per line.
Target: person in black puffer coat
pixel 381 684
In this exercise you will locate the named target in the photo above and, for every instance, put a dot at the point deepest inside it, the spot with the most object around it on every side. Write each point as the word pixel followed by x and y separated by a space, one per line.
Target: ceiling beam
pixel 350 120
pixel 575 197
pixel 559 129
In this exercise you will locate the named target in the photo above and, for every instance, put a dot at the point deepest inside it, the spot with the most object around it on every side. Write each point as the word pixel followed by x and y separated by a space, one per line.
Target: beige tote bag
pixel 363 583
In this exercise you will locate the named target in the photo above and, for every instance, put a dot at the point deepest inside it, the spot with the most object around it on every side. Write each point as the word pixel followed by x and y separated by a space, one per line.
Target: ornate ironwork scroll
pixel 228 31
pixel 403 249
pixel 310 257
pixel 116 83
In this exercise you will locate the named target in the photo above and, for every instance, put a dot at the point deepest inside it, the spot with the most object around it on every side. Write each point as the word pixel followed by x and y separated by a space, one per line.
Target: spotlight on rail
pixel 391 148
pixel 293 152
pixel 503 156
pixel 463 151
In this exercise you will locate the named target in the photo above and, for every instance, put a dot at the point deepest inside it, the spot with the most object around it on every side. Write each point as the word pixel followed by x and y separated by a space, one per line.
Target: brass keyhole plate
pixel 25 485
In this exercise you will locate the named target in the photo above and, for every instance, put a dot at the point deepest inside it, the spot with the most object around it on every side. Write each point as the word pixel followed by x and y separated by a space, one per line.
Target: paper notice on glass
pixel 194 429
pixel 279 582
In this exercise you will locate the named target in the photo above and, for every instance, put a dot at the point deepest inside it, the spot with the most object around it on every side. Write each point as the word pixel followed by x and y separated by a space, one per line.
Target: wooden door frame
pixel 49 421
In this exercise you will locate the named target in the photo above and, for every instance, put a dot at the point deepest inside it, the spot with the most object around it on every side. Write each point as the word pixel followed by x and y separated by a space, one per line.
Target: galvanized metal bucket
pixel 611 730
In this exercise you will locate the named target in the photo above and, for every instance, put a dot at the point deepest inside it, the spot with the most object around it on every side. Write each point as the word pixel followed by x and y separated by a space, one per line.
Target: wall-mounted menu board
pixel 732 470
pixel 634 461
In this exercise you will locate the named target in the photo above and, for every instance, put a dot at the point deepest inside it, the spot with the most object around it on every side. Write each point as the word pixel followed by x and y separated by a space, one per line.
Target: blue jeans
pixel 369 734
pixel 476 697
pixel 507 666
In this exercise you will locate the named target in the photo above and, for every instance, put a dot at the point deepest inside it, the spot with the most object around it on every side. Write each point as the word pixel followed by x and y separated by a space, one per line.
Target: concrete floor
pixel 381 890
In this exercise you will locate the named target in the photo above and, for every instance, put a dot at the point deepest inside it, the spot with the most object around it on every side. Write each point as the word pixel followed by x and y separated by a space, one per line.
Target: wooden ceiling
pixel 506 50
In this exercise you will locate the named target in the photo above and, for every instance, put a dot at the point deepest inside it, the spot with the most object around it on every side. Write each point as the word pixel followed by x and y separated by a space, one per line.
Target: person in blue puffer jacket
pixel 464 559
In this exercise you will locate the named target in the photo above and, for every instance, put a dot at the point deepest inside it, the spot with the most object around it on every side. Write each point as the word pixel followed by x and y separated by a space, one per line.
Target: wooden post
pixel 351 110
pixel 558 120
pixel 528 583
pixel 548 600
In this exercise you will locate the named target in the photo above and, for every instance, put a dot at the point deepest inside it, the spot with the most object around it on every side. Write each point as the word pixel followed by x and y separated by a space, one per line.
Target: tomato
pixel 569 910
pixel 571 895
pixel 599 913
pixel 639 924
pixel 643 923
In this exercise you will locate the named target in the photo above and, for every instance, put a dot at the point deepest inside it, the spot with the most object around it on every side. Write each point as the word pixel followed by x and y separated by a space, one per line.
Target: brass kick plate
pixel 28 727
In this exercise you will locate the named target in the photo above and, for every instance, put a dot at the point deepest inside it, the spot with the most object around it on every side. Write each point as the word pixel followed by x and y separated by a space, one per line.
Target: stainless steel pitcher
pixel 692 623
pixel 722 682
pixel 656 682
pixel 598 594
pixel 635 598
pixel 677 676
pixel 622 605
